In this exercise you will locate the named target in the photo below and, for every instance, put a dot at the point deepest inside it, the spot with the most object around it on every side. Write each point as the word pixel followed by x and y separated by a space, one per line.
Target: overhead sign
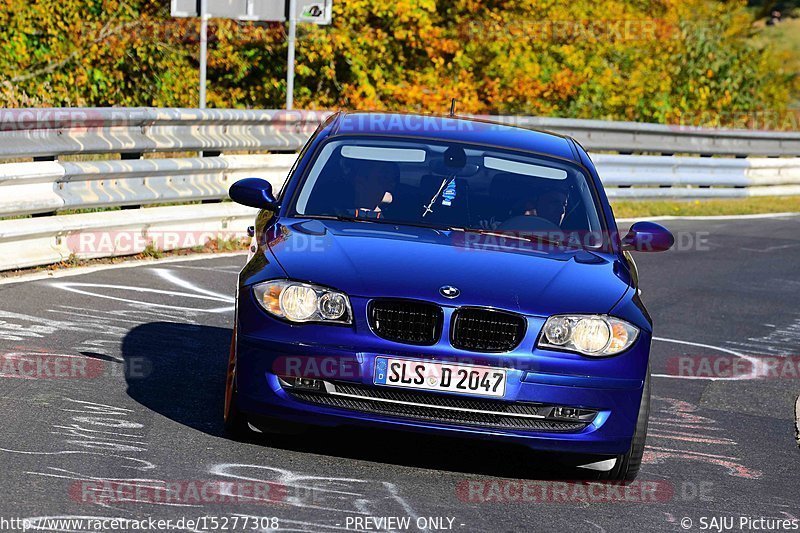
pixel 310 11
pixel 294 11
pixel 232 9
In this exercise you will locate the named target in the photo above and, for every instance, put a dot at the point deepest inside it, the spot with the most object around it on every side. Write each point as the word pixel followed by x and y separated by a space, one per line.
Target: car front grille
pixel 486 330
pixel 441 408
pixel 406 321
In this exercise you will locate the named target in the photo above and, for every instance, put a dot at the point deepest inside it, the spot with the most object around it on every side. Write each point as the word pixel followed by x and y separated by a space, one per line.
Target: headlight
pixel 303 302
pixel 597 335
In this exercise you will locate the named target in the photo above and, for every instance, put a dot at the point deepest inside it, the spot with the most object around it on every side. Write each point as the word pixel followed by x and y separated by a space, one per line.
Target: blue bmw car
pixel 450 276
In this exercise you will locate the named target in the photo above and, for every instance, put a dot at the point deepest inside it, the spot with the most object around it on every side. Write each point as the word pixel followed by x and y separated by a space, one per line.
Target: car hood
pixel 367 259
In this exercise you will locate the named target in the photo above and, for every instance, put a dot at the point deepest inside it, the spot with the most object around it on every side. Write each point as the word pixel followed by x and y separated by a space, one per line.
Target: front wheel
pixel 235 421
pixel 628 464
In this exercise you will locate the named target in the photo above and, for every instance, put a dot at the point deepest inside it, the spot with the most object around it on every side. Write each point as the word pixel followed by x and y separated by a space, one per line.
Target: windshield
pixel 451 185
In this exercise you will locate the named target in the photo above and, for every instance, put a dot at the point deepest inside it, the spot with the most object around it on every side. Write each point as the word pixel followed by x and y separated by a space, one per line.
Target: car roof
pixel 468 130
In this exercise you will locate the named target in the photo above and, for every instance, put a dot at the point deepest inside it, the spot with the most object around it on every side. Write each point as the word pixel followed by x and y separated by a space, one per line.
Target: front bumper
pixel 268 348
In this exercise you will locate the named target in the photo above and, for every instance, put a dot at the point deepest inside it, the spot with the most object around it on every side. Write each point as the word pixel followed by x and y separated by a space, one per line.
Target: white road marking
pixel 797 421
pixel 147 465
pixel 598 526
pixel 395 493
pixel 223 270
pixel 77 271
pixel 79 288
pixel 781 341
pixel 754 373
pixel 93 317
pixel 101 407
pixel 770 249
pixel 341 491
pixel 37 326
pixel 170 276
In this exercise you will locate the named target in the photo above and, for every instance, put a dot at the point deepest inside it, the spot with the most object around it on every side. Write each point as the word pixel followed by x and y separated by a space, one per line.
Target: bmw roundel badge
pixel 448 291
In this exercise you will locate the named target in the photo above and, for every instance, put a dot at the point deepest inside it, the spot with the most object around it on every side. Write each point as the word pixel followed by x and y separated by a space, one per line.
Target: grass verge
pixel 683 208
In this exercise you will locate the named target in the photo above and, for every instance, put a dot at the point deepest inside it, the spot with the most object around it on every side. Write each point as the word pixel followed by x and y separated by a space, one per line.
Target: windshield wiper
pixel 344 218
pixel 386 221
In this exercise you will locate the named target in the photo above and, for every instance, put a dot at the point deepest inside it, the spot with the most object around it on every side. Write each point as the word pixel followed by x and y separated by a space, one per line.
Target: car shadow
pixel 178 371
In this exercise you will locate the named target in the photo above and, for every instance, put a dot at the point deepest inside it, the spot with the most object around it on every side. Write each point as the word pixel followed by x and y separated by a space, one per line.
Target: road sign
pixel 303 11
pixel 311 11
pixel 232 9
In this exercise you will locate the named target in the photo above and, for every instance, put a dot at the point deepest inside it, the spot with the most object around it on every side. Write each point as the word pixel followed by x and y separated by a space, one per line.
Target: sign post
pixel 290 54
pixel 203 50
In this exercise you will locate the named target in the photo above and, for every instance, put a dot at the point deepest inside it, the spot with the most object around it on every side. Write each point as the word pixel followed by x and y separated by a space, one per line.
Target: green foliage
pixel 663 61
pixel 152 251
pixel 785 39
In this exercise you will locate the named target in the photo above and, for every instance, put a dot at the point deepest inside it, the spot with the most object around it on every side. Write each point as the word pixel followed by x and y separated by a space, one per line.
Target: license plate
pixel 465 379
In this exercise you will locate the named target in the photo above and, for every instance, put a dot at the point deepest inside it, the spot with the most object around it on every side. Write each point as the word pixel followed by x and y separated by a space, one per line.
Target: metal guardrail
pixel 53 132
pixel 636 137
pixel 42 241
pixel 49 186
pixel 117 172
pixel 642 176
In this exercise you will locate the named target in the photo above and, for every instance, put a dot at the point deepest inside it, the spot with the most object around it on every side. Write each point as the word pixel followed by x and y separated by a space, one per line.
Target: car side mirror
pixel 253 192
pixel 648 237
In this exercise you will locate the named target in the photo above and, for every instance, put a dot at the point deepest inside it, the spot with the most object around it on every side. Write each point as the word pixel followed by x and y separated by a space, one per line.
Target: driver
pixel 550 205
pixel 362 189
pixel 374 182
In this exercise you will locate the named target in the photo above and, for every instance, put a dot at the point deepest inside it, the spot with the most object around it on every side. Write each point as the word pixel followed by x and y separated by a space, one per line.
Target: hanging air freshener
pixel 449 193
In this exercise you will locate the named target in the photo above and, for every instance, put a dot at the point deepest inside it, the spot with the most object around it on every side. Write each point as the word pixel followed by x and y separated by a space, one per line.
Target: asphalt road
pixel 152 344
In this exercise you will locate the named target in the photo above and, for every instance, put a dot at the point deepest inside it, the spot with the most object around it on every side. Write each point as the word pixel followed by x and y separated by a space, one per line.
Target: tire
pixel 235 421
pixel 628 464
